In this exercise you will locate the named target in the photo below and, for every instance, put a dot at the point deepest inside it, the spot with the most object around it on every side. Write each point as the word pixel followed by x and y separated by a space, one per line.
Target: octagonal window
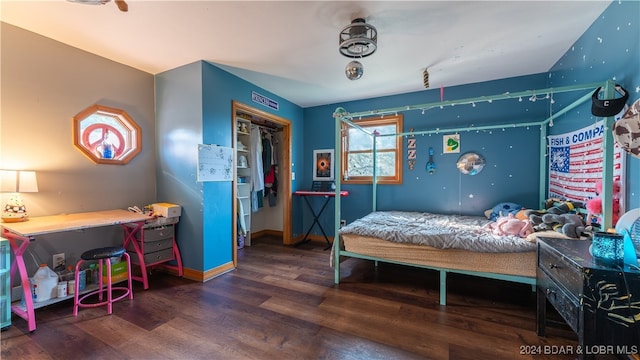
pixel 106 135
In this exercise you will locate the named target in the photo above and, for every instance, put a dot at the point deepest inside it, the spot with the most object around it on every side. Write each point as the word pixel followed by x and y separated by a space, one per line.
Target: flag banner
pixel 575 163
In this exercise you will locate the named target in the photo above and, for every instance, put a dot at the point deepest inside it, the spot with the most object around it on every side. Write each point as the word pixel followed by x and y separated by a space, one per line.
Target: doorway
pixel 243 117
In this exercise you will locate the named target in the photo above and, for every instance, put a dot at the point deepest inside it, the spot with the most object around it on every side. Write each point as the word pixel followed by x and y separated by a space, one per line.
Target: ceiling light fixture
pixel 357 40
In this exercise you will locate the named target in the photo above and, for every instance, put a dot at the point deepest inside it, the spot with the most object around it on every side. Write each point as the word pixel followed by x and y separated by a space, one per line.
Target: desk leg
pixel 326 238
pixel 28 313
pixel 130 238
pixel 304 240
pixel 178 258
pixel 176 254
pixel 316 218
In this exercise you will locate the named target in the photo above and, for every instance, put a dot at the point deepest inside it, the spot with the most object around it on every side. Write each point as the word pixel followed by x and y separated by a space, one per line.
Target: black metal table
pixel 328 195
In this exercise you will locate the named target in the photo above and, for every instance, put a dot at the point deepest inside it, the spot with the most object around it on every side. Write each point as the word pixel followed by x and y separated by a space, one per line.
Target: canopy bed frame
pixel 528 277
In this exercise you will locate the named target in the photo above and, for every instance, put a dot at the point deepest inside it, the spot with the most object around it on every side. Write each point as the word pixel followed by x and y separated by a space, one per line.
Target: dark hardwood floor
pixel 281 303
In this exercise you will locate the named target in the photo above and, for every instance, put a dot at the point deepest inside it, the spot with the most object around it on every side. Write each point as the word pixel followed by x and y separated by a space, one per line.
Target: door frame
pixel 284 171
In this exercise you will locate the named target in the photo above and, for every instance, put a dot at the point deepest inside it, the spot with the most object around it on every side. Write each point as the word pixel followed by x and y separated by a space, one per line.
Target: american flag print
pixel 575 163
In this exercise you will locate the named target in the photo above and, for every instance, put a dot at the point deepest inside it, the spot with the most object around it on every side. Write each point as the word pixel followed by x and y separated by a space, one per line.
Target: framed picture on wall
pixel 323 165
pixel 451 144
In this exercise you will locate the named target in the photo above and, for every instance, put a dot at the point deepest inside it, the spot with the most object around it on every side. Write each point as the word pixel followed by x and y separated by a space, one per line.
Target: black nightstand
pixel 600 304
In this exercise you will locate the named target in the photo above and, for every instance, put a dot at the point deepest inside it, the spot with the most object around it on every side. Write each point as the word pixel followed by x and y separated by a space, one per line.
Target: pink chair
pixel 103 256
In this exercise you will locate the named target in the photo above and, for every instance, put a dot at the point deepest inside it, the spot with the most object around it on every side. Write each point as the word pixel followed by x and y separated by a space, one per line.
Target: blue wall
pixel 194 106
pixel 511 173
pixel 608 50
pixel 220 88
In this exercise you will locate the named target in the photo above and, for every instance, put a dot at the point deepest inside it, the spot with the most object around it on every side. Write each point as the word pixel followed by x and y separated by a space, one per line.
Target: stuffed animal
pixel 553 206
pixel 570 225
pixel 569 205
pixel 502 209
pixel 510 225
pixel 535 216
pixel 594 206
pixel 564 207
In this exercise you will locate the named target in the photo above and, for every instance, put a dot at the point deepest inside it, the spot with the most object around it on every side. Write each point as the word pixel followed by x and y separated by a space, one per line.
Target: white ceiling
pixel 291 47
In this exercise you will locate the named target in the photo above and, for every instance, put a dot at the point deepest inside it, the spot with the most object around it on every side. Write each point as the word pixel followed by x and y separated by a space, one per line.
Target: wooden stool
pixel 103 255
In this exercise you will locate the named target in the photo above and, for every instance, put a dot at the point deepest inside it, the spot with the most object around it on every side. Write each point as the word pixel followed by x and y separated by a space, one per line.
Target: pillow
pixel 503 209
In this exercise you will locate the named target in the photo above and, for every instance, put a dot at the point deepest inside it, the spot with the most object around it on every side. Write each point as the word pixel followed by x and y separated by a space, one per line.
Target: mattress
pixel 516 263
pixel 436 230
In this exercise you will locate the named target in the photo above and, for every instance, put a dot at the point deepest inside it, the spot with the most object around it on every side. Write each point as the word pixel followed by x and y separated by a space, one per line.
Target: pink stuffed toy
pixel 510 225
pixel 594 206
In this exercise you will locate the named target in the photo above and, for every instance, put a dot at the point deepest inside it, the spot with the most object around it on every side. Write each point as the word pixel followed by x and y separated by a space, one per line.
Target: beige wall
pixel 45 83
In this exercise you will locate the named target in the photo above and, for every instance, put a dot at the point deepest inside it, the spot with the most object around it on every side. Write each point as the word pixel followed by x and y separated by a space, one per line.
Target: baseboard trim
pixel 315 238
pixel 202 276
pixel 260 233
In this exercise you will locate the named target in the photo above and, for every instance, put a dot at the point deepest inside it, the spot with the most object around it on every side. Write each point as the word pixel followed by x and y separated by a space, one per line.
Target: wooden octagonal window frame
pixel 106 135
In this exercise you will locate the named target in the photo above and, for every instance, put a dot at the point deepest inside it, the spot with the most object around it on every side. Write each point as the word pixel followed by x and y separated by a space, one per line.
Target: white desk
pixel 21 233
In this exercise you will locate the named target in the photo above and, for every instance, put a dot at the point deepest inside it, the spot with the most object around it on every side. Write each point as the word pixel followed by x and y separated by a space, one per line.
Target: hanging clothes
pixel 266 152
pixel 274 146
pixel 269 164
pixel 271 185
pixel 242 226
pixel 257 172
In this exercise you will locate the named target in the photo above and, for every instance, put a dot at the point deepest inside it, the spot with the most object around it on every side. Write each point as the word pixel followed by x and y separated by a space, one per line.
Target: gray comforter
pixel 436 230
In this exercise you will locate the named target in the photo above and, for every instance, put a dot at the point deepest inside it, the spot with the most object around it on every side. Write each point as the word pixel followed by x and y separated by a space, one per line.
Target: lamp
pixel 357 40
pixel 16 182
pixel 607 248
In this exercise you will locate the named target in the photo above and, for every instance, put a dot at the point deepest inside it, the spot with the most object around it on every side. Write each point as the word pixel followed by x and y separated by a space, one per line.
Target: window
pixel 357 151
pixel 106 135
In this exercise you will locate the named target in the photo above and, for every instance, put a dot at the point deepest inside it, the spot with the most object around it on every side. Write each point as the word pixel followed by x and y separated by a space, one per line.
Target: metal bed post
pixel 542 186
pixel 607 162
pixel 469 101
pixel 338 115
pixel 374 179
pixel 443 287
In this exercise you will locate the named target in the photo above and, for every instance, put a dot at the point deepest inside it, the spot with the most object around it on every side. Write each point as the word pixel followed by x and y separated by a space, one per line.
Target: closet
pixel 243 181
pixel 262 183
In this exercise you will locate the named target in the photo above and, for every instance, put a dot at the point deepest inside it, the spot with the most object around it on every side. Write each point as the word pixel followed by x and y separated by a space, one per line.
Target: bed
pixel 446 243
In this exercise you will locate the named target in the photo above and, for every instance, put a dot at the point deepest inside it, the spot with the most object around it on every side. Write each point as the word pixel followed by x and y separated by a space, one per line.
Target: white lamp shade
pixel 18 181
pixel 27 181
pixel 8 181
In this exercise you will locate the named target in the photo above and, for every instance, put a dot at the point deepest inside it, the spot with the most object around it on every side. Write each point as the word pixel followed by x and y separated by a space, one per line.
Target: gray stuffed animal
pixel 570 225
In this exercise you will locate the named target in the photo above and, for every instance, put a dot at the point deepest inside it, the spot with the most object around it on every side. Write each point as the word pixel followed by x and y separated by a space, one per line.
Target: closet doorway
pixel 266 212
